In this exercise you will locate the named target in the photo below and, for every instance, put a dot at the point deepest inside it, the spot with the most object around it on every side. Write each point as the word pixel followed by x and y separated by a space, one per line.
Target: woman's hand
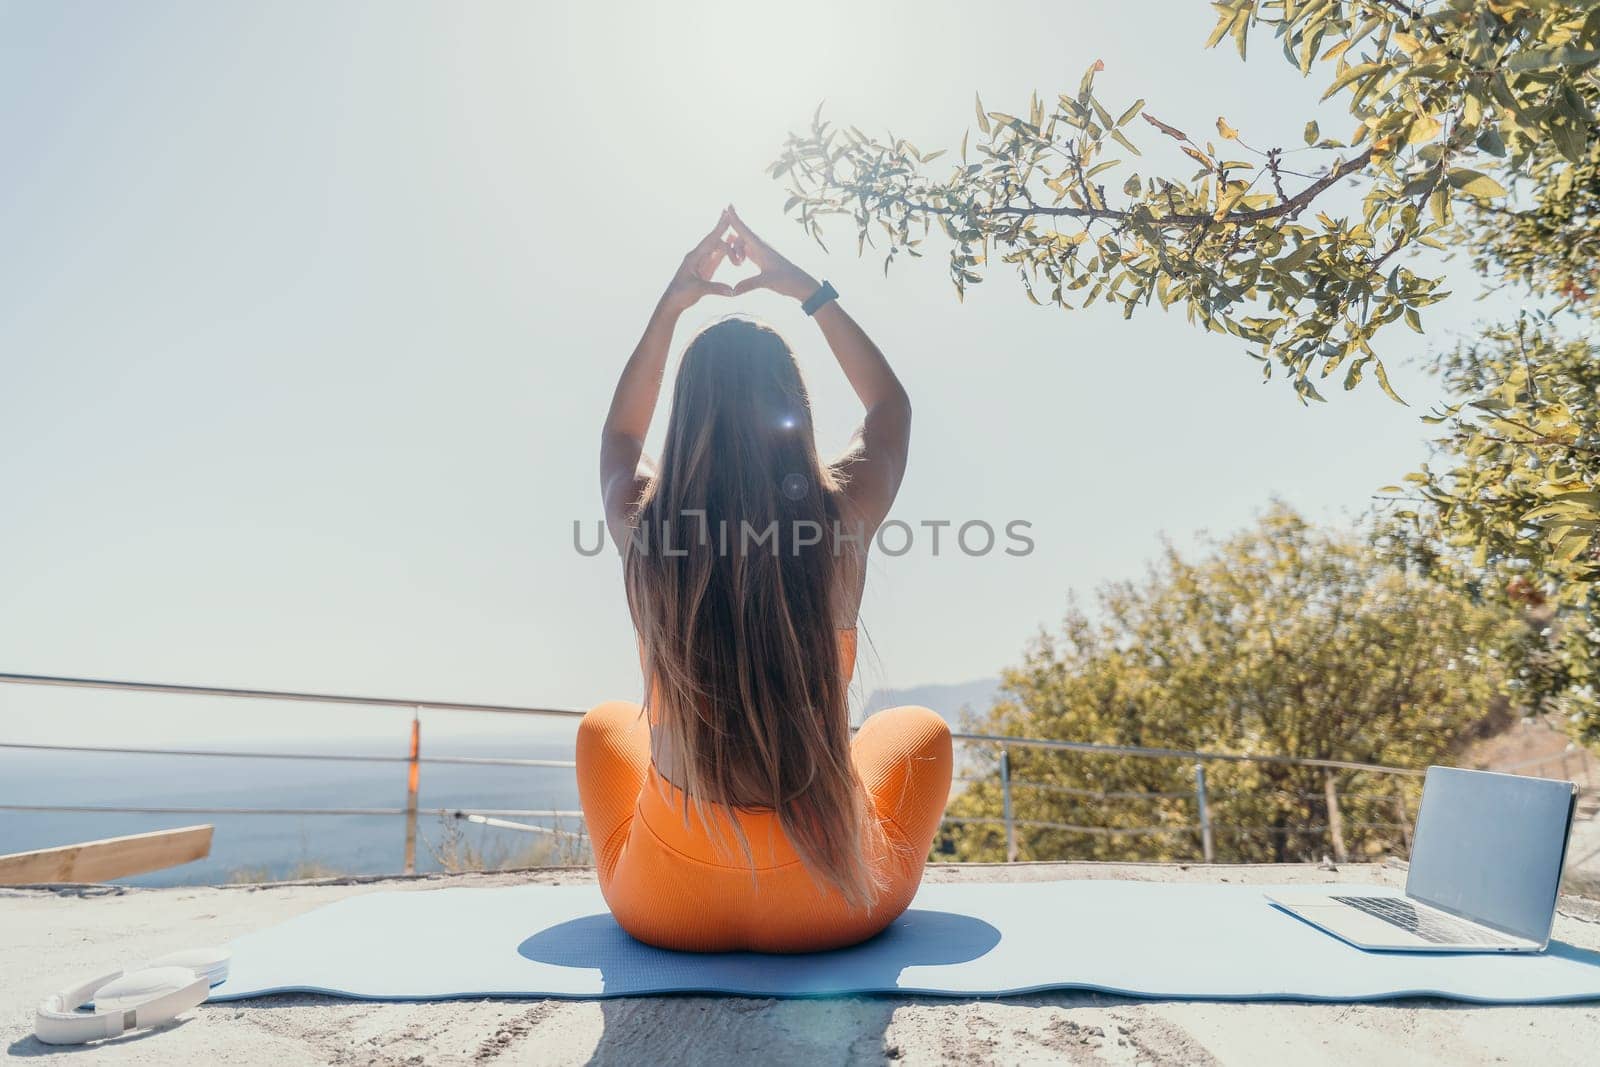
pixel 776 272
pixel 693 279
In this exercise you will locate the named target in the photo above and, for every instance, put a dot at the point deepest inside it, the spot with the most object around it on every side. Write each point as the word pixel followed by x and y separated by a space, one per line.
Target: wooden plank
pixel 1330 790
pixel 112 857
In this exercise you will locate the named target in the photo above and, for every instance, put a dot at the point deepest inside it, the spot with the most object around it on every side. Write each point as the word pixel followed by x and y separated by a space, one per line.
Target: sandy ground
pixel 49 937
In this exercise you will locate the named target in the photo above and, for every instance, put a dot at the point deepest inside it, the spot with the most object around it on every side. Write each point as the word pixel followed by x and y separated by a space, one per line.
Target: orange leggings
pixel 677 886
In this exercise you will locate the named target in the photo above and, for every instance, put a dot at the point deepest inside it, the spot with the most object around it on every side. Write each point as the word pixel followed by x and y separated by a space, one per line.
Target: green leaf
pixel 1312 132
pixel 1475 183
pixel 983 120
pixel 1423 129
pixel 1546 58
pixel 1220 30
pixel 1439 205
pixel 1383 382
pixel 1355 73
pixel 1085 86
pixel 1490 142
pixel 1352 377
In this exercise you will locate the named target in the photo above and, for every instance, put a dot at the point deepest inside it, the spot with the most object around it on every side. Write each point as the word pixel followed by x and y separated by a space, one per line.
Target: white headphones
pixel 131 1000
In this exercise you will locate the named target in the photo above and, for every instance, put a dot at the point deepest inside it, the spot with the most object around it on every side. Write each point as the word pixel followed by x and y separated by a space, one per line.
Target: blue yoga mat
pixel 1142 939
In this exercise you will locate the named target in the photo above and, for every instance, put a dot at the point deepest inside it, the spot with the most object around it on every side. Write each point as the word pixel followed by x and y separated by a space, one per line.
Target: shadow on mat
pixel 1572 952
pixel 811 1027
pixel 919 938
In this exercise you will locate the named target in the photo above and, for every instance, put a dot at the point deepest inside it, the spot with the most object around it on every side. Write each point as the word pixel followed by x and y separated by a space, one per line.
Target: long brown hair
pixel 736 612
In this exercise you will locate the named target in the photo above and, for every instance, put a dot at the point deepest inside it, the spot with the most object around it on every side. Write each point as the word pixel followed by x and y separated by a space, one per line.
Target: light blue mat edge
pixel 903 991
pixel 1146 991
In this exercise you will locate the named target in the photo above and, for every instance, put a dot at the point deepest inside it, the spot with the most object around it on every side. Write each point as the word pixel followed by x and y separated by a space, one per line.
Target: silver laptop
pixel 1486 863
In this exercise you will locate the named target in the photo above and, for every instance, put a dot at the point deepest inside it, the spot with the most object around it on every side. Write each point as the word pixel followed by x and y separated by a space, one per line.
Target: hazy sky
pixel 309 314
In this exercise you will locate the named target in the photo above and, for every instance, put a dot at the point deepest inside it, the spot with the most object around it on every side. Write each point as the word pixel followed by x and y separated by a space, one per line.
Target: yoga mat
pixel 1143 939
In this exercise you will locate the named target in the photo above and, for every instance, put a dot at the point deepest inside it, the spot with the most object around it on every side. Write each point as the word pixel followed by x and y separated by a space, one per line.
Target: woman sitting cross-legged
pixel 733 810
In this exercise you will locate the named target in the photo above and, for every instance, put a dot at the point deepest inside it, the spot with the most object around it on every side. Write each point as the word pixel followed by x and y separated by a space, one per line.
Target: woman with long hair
pixel 732 810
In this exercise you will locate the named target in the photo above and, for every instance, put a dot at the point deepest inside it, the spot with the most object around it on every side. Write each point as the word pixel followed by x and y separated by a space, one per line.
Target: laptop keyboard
pixel 1434 927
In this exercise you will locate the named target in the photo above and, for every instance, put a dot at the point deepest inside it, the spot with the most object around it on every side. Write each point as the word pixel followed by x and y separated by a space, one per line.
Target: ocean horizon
pixel 268 847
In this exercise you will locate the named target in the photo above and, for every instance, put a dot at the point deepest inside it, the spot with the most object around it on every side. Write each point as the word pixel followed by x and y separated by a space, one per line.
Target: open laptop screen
pixel 1490 847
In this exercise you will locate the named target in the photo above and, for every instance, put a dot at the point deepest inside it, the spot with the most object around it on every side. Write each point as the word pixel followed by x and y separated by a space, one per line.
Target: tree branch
pixel 1290 207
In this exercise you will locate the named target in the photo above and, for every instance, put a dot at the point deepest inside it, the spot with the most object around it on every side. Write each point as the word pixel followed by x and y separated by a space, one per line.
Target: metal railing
pixel 485 761
pixel 280 694
pixel 1571 763
pixel 1202 828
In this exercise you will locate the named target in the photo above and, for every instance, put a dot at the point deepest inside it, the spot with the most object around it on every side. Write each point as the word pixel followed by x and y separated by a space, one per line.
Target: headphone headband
pixel 151 996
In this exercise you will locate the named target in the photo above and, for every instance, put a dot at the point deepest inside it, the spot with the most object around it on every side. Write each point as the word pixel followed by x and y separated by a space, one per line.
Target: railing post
pixel 1005 800
pixel 413 779
pixel 1405 822
pixel 1206 850
pixel 1330 790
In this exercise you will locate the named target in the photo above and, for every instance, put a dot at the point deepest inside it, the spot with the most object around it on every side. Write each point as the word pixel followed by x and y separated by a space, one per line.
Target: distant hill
pixel 949 701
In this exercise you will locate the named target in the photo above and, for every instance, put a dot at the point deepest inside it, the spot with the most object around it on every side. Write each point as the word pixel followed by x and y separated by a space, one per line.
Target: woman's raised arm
pixel 875 463
pixel 623 466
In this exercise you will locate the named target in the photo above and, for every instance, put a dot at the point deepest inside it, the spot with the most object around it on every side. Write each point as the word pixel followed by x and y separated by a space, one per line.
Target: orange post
pixel 413 779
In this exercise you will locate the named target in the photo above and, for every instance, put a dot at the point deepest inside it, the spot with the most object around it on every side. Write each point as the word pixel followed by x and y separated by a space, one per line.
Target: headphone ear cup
pixel 132 1000
pixel 141 987
pixel 121 1002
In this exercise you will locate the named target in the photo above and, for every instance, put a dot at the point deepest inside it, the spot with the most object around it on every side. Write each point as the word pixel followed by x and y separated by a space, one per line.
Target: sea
pixel 270 847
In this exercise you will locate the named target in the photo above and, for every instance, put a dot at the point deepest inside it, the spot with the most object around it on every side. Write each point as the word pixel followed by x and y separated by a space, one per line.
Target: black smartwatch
pixel 818 299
